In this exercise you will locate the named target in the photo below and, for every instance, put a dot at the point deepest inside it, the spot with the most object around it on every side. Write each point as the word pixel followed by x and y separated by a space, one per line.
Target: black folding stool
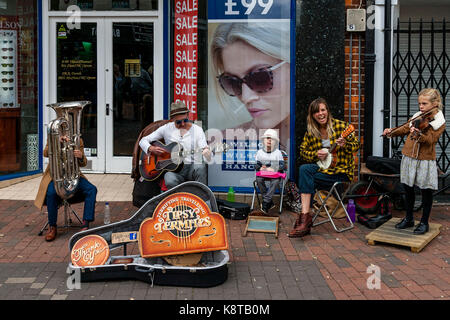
pixel 77 198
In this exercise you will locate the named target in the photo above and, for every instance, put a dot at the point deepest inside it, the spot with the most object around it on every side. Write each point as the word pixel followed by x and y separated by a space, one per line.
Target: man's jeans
pixel 189 172
pixel 89 192
pixel 310 179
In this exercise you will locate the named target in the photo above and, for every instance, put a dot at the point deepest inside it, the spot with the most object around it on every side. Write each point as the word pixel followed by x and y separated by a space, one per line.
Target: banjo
pixel 331 159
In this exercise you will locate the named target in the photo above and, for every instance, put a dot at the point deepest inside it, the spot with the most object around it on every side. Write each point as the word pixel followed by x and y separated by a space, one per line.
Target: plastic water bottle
pixel 107 217
pixel 351 209
pixel 230 195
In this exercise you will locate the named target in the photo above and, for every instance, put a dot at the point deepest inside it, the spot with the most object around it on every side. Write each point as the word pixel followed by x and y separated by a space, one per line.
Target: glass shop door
pixel 110 62
pixel 130 88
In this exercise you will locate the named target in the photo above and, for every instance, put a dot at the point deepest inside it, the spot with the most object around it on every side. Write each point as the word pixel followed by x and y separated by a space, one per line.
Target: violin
pixel 422 123
pixel 421 117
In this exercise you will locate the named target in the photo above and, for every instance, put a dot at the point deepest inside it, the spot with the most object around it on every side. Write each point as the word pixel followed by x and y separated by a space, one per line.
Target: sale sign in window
pixel 185 53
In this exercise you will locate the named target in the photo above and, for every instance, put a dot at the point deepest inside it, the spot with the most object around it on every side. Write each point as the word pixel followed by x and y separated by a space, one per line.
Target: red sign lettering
pixel 185 54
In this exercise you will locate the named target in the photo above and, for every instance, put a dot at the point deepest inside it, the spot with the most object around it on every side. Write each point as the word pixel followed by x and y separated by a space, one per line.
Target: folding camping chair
pixel 339 190
pixel 256 190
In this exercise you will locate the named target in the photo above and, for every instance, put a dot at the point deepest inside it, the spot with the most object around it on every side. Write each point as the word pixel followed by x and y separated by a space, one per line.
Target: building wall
pixel 320 60
pixel 354 60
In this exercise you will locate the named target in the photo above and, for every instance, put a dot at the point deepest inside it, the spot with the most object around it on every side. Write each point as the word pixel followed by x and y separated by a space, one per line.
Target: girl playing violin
pixel 418 165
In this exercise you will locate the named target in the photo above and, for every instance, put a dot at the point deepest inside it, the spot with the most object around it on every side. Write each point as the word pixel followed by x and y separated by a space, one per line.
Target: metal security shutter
pixel 421 60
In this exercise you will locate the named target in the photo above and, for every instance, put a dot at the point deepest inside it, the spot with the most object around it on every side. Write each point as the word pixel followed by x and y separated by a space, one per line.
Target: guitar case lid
pixel 210 270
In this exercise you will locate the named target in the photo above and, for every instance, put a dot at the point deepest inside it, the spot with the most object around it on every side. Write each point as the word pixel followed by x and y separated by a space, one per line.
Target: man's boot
pixel 302 226
pixel 51 234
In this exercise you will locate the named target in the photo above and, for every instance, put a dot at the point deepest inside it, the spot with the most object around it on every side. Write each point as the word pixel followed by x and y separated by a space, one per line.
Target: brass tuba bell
pixel 64 167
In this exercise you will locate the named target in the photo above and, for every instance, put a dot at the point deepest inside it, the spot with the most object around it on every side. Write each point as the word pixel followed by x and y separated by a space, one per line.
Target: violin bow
pixel 412 119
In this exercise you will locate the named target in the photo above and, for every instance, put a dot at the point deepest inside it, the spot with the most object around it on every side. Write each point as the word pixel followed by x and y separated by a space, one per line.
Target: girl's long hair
pixel 312 125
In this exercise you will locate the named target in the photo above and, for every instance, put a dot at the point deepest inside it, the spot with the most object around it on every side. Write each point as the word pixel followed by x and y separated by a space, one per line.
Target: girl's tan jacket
pixel 425 147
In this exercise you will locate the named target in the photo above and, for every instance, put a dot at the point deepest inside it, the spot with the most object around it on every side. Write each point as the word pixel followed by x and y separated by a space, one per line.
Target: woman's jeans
pixel 310 179
pixel 89 192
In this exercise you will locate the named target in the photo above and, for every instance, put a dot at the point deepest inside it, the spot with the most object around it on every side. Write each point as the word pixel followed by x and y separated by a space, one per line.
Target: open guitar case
pixel 212 269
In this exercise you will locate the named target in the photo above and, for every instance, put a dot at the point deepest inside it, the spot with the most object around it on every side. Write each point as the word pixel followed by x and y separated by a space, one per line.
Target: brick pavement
pixel 325 265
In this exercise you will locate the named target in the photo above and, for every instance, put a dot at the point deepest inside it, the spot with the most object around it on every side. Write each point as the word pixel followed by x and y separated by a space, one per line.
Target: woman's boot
pixel 302 226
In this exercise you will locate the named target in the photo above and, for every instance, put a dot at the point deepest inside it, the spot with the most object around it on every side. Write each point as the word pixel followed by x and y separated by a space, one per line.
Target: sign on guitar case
pixel 91 250
pixel 182 223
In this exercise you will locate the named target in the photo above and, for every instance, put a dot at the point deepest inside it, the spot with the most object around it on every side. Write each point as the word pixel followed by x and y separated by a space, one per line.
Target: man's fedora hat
pixel 178 108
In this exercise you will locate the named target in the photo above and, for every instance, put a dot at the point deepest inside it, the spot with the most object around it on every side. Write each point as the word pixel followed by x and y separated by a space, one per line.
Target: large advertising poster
pixel 249 82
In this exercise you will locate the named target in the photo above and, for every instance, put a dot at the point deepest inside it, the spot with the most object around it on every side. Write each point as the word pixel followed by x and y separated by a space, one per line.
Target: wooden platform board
pixel 387 233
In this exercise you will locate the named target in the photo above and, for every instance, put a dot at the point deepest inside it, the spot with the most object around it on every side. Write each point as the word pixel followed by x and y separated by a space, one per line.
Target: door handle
pixel 107 109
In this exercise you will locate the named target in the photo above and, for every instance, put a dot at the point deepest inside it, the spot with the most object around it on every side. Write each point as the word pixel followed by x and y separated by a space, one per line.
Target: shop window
pixel 104 5
pixel 19 147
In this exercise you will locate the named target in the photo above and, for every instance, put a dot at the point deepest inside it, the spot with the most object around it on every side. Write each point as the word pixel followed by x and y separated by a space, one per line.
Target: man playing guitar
pixel 190 136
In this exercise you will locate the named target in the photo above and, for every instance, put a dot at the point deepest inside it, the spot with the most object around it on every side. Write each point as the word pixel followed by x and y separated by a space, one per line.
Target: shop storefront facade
pixel 131 59
pixel 111 54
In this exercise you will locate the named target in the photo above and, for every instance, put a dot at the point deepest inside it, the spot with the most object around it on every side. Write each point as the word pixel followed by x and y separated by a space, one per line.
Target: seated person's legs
pixel 261 185
pixel 268 195
pixel 53 201
pixel 310 180
pixel 265 193
pixel 172 179
pixel 306 184
pixel 198 173
pixel 90 195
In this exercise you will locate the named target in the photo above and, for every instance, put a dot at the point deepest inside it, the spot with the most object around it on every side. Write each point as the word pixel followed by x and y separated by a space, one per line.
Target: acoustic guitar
pixel 331 159
pixel 152 166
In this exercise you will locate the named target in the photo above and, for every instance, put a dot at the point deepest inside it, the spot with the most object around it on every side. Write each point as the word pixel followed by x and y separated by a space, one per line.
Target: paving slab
pixel 322 266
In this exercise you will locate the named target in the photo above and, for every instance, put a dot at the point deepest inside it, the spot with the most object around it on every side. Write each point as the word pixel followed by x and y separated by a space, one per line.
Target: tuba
pixel 64 168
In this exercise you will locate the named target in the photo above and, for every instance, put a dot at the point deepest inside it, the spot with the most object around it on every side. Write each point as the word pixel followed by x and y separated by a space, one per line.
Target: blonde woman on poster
pixel 250 71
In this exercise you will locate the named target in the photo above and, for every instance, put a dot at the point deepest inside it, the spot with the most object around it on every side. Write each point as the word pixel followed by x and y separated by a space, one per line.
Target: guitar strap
pixel 192 144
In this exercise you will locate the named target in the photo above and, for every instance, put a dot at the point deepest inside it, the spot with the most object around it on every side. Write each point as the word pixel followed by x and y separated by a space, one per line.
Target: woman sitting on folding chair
pixel 322 132
pixel 269 168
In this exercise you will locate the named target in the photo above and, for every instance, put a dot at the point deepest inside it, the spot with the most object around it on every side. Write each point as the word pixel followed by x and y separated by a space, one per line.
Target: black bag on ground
pixel 383 165
pixel 144 190
pixel 233 210
pixel 383 216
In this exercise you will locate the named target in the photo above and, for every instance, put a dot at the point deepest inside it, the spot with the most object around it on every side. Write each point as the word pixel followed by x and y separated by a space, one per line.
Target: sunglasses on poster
pixel 6 49
pixel 8 104
pixel 260 80
pixel 6 80
pixel 7 57
pixel 7 41
pixel 8 72
pixel 4 65
pixel 7 88
pixel 178 122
